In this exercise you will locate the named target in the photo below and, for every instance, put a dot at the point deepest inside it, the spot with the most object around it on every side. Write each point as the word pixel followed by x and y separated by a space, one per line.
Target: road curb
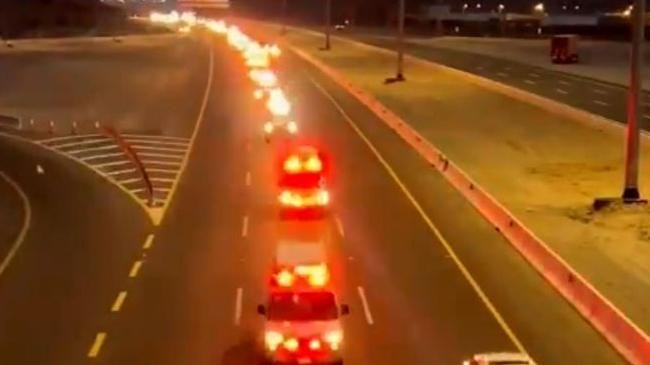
pixel 627 338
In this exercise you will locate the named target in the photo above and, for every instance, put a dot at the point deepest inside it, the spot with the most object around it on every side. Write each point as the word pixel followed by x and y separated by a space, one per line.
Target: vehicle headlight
pixel 292 127
pixel 273 339
pixel 334 339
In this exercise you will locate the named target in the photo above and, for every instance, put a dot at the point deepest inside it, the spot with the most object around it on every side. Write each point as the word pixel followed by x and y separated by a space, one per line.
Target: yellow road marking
pixel 148 242
pixel 96 347
pixel 135 269
pixel 465 272
pixel 119 301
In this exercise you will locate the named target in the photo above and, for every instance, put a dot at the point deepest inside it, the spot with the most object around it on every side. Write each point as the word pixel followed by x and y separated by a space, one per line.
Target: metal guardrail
pixel 133 156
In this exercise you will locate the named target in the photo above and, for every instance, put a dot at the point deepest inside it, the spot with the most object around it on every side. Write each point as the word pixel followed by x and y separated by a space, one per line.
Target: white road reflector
pixel 40 170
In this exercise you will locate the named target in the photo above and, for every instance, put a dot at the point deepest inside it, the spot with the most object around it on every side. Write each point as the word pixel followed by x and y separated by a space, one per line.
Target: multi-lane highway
pixel 427 280
pixel 596 96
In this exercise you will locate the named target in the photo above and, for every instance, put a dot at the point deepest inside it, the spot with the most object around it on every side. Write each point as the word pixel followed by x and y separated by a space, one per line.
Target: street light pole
pixel 400 41
pixel 631 189
pixel 328 23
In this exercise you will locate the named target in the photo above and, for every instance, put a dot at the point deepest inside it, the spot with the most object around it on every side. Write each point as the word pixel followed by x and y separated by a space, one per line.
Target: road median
pixel 541 170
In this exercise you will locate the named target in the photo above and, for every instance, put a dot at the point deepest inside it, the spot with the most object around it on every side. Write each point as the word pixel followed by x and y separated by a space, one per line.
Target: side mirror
pixel 345 309
pixel 261 310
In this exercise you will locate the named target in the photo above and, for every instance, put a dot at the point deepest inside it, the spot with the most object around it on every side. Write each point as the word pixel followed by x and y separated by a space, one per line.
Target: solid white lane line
pixel 152 148
pixel 96 347
pixel 562 91
pixel 162 163
pixel 162 170
pixel 66 138
pixel 111 164
pixel 566 83
pixel 339 225
pixel 148 242
pixel 154 137
pixel 239 295
pixel 93 149
pixel 244 226
pixel 154 143
pixel 81 143
pixel 27 221
pixel 162 180
pixel 502 74
pixel 106 155
pixel 248 178
pixel 434 229
pixel 130 181
pixel 366 307
pixel 162 155
pixel 119 301
pixel 120 172
pixel 530 82
pixel 135 269
pixel 600 102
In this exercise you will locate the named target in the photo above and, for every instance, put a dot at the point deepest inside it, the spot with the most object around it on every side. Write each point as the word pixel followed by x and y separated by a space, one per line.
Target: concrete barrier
pixel 609 321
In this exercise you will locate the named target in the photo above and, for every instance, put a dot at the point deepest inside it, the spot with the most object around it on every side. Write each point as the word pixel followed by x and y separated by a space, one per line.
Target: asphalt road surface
pixel 91 286
pixel 194 300
pixel 598 97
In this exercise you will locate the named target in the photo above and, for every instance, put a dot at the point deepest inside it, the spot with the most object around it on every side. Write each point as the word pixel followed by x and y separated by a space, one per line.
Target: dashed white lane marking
pixel 239 295
pixel 532 74
pixel 565 83
pixel 135 269
pixel 562 91
pixel 99 157
pixel 600 102
pixel 248 178
pixel 366 307
pixel 40 170
pixel 507 68
pixel 119 301
pixel 339 225
pixel 502 74
pixel 601 92
pixel 479 68
pixel 27 221
pixel 646 116
pixel 148 242
pixel 96 347
pixel 93 149
pixel 244 226
pixel 530 82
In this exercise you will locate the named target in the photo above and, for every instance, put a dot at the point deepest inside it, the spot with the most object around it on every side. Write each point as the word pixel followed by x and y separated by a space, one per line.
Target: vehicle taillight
pixel 285 278
pixel 291 344
pixel 334 339
pixel 273 339
pixel 313 164
pixel 318 276
pixel 292 165
pixel 314 344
